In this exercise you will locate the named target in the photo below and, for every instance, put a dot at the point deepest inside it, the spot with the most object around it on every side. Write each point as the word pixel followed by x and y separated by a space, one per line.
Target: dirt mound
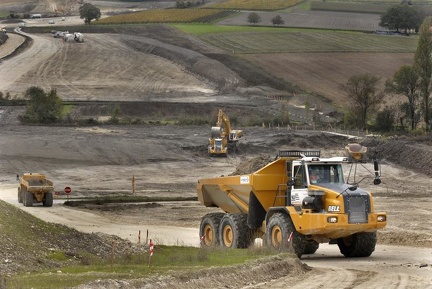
pixel 238 276
pixel 18 253
pixel 412 153
pixel 250 166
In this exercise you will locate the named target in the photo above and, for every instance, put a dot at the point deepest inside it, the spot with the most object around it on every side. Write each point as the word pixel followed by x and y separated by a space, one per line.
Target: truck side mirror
pixel 291 183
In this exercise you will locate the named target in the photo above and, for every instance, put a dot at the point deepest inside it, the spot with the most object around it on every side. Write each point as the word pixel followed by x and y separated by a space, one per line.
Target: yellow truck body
pixel 280 202
pixel 35 188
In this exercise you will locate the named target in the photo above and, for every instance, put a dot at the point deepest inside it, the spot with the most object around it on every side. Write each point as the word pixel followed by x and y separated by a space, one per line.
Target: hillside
pixel 29 243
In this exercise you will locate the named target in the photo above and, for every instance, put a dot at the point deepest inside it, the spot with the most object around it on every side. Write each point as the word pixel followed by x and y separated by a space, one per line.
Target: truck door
pixel 296 171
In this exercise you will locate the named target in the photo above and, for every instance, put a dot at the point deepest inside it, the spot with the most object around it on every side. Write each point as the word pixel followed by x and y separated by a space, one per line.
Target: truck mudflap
pixel 333 226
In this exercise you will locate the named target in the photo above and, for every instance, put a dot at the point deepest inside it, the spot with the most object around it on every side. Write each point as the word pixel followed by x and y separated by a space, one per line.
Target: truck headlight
pixel 332 220
pixel 381 218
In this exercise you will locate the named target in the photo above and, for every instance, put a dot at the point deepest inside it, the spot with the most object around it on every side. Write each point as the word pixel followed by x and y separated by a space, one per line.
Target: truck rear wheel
pixel 358 245
pixel 48 201
pixel 234 231
pixel 282 235
pixel 28 199
pixel 20 196
pixel 209 229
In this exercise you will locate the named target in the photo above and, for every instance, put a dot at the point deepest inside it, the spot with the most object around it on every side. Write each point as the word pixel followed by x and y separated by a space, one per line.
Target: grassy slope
pixel 37 254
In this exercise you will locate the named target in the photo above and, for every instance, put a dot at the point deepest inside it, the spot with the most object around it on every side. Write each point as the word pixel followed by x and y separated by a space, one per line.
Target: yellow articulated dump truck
pixel 295 202
pixel 35 188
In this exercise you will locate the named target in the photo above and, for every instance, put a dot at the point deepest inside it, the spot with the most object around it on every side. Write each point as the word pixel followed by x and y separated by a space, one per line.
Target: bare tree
pixel 361 89
pixel 423 64
pixel 406 82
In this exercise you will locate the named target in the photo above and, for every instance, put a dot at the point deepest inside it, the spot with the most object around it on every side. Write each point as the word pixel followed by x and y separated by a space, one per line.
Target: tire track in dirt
pixel 13 71
pixel 319 278
pixel 135 74
pixel 102 68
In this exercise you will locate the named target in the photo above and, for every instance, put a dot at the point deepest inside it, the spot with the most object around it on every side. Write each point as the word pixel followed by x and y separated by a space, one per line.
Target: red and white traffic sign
pixel 67 190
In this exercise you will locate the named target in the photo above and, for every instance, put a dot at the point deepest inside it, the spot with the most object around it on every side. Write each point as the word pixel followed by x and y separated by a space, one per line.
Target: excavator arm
pixel 224 122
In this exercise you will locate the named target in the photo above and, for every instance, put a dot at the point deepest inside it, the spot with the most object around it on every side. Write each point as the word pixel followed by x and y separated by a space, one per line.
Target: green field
pixel 277 40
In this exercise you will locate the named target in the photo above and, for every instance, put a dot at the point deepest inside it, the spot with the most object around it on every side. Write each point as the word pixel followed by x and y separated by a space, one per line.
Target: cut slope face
pixel 116 67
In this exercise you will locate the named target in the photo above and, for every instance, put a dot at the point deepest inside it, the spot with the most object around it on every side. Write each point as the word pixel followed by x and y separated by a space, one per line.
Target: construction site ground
pixel 167 160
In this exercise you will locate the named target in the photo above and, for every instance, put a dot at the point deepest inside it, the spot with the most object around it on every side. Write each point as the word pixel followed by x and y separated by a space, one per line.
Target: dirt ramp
pixel 213 71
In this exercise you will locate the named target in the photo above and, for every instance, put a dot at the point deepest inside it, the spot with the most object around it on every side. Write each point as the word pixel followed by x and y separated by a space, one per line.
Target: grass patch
pixel 291 40
pixel 201 29
pixel 248 39
pixel 166 260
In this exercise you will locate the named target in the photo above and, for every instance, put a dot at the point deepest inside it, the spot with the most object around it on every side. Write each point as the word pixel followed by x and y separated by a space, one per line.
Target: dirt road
pixel 89 222
pixel 389 266
pixel 81 159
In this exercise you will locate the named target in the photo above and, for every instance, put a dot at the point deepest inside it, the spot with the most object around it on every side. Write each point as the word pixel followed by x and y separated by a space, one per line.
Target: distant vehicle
pixel 51 22
pixel 63 18
pixel 59 34
pixel 35 16
pixel 35 188
pixel 22 24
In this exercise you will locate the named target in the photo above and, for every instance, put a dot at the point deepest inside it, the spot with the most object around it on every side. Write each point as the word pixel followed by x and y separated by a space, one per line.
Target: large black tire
pixel 48 201
pixel 282 235
pixel 358 245
pixel 28 199
pixel 209 229
pixel 311 247
pixel 234 231
pixel 20 195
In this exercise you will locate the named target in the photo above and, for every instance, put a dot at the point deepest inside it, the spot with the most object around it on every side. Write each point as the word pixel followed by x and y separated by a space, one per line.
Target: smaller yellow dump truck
pixel 35 188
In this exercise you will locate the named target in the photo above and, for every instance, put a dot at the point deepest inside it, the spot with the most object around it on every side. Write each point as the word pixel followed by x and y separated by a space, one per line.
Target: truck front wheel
pixel 234 231
pixel 282 235
pixel 358 245
pixel 209 229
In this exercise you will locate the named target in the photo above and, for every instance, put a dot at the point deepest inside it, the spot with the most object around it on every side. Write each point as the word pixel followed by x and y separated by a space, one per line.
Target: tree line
pixel 413 82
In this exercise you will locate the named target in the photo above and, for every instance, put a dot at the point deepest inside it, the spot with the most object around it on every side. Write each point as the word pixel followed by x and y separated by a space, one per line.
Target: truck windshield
pixel 325 173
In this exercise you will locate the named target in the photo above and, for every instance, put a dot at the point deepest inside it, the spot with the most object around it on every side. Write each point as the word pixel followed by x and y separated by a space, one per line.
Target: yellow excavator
pixel 223 137
pixel 295 202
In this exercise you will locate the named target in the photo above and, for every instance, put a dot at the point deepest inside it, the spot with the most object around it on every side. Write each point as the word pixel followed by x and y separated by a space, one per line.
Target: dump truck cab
pixel 313 171
pixel 298 201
